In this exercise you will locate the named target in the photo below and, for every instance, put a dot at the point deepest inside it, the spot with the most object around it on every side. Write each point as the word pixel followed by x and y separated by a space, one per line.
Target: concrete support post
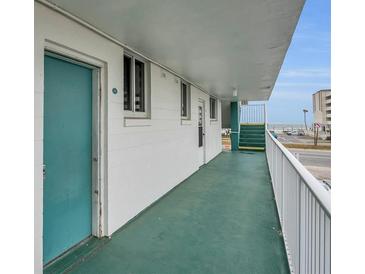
pixel 235 125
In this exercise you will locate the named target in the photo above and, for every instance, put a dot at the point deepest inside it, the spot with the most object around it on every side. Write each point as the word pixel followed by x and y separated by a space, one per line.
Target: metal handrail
pixel 322 195
pixel 252 114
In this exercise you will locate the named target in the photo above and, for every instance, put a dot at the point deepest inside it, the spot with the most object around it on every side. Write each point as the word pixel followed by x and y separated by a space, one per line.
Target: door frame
pixel 204 130
pixel 98 128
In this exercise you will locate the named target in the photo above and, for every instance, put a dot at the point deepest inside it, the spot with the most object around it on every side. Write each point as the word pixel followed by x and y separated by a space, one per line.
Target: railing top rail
pixel 322 195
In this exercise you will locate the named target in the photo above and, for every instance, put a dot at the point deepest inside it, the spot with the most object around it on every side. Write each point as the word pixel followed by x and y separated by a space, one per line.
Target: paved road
pixel 313 157
pixel 316 161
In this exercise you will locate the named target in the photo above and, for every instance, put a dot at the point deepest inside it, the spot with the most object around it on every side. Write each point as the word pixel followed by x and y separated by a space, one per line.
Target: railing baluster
pixel 327 244
pixel 253 114
pixel 307 236
pixel 304 211
pixel 317 240
pixel 321 243
pixel 301 228
pixel 282 186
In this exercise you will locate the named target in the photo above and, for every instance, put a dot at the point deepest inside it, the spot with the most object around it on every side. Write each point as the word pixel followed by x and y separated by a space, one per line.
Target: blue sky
pixel 307 65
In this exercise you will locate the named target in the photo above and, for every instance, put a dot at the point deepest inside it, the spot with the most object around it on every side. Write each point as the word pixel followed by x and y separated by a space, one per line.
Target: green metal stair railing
pixel 252 127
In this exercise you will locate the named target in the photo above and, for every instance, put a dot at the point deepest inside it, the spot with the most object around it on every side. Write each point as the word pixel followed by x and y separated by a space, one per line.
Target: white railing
pixel 304 208
pixel 253 114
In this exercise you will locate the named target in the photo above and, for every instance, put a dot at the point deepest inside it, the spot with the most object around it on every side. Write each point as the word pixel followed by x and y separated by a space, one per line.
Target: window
pixel 139 87
pixel 135 84
pixel 213 108
pixel 127 83
pixel 185 100
pixel 200 125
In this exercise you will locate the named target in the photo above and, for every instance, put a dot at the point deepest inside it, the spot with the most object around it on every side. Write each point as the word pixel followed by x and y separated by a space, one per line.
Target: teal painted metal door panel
pixel 67 156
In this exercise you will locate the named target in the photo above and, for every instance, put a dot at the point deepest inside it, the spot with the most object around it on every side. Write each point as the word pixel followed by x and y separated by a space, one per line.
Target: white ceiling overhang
pixel 218 45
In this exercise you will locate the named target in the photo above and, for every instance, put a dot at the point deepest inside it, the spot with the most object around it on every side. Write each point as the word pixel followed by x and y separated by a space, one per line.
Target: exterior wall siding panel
pixel 143 162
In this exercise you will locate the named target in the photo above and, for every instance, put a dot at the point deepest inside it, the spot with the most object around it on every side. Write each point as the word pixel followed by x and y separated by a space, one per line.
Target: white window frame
pixel 147 92
pixel 215 109
pixel 188 101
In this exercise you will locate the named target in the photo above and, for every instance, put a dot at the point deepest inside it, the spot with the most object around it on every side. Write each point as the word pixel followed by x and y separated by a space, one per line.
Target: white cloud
pixel 301 84
pixel 317 73
pixel 290 95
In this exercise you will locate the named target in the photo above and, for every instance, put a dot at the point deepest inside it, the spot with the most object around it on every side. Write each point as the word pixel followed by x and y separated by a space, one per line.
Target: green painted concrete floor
pixel 222 219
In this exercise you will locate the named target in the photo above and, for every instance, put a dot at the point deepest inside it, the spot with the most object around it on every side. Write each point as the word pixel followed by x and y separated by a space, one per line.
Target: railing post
pixel 235 125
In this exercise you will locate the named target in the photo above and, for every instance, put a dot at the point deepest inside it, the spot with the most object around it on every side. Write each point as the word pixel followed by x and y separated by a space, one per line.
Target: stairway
pixel 252 137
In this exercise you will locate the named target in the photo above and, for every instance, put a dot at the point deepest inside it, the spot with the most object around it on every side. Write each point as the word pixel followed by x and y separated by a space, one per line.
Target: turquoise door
pixel 67 156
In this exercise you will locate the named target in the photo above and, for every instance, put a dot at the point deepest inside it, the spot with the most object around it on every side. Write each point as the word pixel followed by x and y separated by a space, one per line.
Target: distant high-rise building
pixel 322 108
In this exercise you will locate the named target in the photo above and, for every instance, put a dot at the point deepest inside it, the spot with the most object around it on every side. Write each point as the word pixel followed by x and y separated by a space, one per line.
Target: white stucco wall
pixel 142 163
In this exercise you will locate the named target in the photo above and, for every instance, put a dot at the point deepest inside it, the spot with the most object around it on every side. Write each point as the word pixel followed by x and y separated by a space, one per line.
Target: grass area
pixel 308 146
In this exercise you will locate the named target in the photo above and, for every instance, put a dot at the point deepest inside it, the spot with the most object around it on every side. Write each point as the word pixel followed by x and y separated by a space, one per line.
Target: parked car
pixel 293 132
pixel 301 132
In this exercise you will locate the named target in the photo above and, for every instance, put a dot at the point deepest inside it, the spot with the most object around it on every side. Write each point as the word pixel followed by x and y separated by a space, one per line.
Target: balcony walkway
pixel 222 219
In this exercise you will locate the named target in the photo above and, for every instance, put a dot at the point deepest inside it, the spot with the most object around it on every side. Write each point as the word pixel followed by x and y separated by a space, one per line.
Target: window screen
pixel 127 83
pixel 139 86
pixel 200 126
pixel 184 100
pixel 213 107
